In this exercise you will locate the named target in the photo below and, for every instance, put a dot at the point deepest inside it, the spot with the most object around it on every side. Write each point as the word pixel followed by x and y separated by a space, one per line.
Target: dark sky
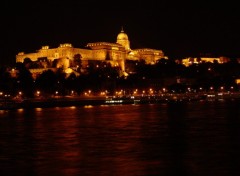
pixel 181 29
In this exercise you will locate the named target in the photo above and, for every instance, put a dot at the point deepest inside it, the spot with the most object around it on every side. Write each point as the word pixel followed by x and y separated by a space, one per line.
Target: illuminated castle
pixel 114 53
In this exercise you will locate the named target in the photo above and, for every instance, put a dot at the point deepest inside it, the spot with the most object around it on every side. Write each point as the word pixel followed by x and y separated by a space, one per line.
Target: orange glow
pixel 237 81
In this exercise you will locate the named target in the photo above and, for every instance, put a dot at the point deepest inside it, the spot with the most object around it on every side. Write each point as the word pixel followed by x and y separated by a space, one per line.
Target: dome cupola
pixel 122 39
pixel 122 35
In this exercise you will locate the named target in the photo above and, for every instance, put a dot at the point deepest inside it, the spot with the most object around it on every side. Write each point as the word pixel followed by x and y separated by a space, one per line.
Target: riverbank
pixel 9 104
pixel 49 102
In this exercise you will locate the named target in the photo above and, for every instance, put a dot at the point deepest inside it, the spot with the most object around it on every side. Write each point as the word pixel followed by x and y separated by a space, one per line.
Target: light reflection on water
pixel 199 138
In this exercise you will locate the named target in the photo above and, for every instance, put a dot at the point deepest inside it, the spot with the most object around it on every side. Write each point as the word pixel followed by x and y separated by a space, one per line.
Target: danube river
pixel 199 138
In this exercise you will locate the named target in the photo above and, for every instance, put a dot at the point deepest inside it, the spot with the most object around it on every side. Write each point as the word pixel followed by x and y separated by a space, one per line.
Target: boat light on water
pixel 113 101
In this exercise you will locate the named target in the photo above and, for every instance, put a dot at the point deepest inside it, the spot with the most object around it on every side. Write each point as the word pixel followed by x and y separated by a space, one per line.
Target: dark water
pixel 199 138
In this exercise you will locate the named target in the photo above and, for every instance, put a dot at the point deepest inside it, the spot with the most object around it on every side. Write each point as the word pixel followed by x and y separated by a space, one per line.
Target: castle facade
pixel 114 53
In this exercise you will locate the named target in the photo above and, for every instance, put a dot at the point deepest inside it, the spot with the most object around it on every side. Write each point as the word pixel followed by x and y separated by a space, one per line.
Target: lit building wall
pixel 211 60
pixel 151 56
pixel 21 56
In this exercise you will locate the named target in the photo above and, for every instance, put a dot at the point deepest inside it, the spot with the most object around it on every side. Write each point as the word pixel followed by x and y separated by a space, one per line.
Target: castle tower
pixel 122 39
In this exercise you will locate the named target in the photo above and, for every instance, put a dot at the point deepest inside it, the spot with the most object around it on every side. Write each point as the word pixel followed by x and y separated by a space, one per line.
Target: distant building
pixel 191 60
pixel 116 54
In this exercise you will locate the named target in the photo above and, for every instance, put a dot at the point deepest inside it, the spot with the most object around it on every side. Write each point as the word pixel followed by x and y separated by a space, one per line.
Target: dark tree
pixel 46 82
pixel 6 81
pixel 24 80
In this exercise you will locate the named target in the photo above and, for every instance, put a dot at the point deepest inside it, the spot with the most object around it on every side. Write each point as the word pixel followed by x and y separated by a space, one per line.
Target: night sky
pixel 181 29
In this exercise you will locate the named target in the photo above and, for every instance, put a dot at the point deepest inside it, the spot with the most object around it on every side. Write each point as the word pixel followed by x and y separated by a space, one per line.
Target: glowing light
pixel 102 93
pixel 88 106
pixel 20 110
pixel 38 109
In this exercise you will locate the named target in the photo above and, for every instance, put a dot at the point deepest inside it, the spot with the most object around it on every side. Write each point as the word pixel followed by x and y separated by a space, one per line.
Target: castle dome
pixel 122 36
pixel 122 39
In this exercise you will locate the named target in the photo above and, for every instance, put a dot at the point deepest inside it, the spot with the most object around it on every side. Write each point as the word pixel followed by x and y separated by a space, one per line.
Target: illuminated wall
pixel 151 56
